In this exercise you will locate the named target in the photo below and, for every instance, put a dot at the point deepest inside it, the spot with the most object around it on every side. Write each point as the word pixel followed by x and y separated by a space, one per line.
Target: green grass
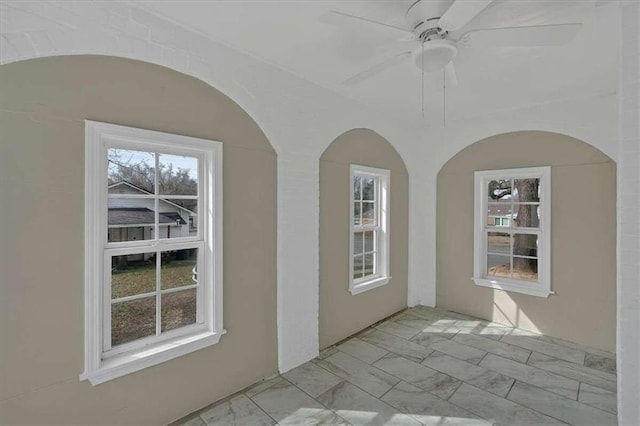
pixel 136 319
pixel 142 279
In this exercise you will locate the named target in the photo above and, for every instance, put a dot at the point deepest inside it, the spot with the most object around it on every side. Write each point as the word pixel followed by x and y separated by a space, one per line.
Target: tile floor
pixel 433 367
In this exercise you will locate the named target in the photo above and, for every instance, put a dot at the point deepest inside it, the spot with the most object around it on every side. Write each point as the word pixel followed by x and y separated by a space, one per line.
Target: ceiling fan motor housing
pixel 435 52
pixel 423 17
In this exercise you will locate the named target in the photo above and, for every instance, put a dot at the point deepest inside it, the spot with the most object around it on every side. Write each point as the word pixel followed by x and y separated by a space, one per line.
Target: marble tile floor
pixel 427 366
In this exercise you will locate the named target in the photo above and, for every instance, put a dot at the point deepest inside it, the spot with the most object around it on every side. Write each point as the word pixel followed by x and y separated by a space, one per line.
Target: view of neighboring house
pixel 133 218
pixel 499 215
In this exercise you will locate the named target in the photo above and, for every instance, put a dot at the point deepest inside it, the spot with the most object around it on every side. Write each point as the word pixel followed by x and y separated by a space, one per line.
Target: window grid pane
pixel 128 203
pixel 367 227
pixel 144 277
pixel 520 261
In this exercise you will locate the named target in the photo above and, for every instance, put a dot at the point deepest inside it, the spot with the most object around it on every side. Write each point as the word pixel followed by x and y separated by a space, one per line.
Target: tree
pixel 139 169
pixel 526 216
pixel 525 244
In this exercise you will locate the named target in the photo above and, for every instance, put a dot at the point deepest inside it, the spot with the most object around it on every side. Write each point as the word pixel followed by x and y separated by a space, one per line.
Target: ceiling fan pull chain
pixel 444 98
pixel 422 81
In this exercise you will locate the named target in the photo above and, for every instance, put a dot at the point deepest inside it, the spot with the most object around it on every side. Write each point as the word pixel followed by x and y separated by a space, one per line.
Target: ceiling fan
pixel 435 29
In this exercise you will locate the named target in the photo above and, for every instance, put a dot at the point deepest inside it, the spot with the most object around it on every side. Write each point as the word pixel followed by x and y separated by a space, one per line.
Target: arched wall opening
pixel 583 238
pixel 342 313
pixel 44 103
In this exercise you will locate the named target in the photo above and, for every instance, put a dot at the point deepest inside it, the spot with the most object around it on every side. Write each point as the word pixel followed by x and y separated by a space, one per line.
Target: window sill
pixel 525 287
pixel 133 361
pixel 368 285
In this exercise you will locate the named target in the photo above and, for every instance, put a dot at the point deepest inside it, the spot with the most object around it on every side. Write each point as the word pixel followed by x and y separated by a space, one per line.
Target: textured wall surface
pixel 629 215
pixel 583 238
pixel 341 313
pixel 43 105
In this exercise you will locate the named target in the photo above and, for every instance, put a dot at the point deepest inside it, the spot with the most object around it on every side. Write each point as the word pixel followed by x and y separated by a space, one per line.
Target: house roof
pixel 144 191
pixel 501 210
pixel 141 216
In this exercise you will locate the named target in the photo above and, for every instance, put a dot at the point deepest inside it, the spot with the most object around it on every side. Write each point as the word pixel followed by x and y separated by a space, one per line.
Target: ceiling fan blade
pixel 338 18
pixel 450 75
pixel 533 36
pixel 461 12
pixel 376 69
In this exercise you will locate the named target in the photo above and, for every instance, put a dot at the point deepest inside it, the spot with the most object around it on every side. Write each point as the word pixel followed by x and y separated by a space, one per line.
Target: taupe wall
pixel 43 105
pixel 583 242
pixel 341 313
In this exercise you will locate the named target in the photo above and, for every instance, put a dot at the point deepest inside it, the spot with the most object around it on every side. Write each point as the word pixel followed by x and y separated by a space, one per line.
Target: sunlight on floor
pixel 427 366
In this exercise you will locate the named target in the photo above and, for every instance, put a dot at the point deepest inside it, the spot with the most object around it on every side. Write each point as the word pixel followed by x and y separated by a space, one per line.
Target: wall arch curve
pixel 583 237
pixel 43 106
pixel 476 134
pixel 341 313
pixel 238 95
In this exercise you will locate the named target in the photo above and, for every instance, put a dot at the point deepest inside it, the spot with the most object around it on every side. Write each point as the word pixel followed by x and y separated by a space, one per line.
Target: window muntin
pixel 154 248
pixel 369 228
pixel 512 230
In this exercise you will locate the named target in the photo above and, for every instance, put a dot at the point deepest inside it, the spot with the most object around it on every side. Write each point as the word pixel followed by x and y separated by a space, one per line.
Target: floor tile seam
pixel 425 390
pixel 363 390
pixel 198 413
pixel 264 390
pixel 371 365
pixel 429 368
pixel 235 395
pixel 276 422
pixel 437 396
pixel 613 413
pixel 388 350
pixel 571 378
pixel 481 359
pixel 529 357
pixel 578 393
pixel 547 391
pixel 460 359
pixel 453 393
pixel 591 405
pixel 490 341
pixel 344 379
pixel 368 363
pixel 420 329
pixel 462 344
pixel 314 397
pixel 464 361
pixel 511 401
pixel 506 396
pixel 578 347
pixel 401 337
pixel 415 362
pixel 494 353
pixel 542 341
pixel 600 370
pixel 531 366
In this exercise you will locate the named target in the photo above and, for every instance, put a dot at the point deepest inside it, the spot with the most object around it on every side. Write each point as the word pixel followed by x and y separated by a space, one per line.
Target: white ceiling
pixel 300 37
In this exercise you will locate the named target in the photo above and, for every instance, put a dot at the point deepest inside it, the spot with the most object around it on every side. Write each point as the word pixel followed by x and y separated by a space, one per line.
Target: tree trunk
pixel 525 244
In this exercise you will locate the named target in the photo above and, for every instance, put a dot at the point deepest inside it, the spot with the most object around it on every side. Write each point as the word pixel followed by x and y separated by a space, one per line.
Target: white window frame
pixel 382 272
pixel 541 288
pixel 103 363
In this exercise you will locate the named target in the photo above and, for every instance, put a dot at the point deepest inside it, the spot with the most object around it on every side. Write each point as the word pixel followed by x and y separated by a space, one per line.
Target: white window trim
pixel 98 137
pixel 542 288
pixel 382 276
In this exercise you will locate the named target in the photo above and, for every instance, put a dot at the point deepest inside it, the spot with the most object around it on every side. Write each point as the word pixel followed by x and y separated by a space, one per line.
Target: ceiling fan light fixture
pixel 434 55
